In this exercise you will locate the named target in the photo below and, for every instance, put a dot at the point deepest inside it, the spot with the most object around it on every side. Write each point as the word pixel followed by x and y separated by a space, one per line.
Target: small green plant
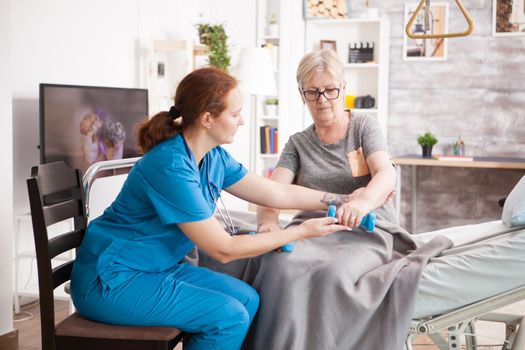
pixel 214 36
pixel 271 101
pixel 428 139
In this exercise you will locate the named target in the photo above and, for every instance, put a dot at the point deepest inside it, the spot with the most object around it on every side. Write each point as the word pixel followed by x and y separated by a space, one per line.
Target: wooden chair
pixel 56 194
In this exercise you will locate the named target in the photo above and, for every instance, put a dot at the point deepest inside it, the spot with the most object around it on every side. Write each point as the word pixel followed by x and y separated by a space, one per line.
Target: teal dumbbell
pixel 330 212
pixel 368 223
pixel 288 248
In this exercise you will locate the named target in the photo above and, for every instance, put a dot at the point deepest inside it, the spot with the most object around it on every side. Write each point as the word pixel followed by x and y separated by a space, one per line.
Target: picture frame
pixel 335 9
pixel 508 17
pixel 328 44
pixel 426 49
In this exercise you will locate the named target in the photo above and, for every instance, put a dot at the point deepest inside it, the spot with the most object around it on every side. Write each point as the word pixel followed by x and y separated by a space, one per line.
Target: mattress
pixel 487 259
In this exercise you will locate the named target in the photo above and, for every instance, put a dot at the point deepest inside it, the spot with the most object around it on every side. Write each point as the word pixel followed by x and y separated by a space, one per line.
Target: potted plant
pixel 270 105
pixel 273 26
pixel 214 36
pixel 427 141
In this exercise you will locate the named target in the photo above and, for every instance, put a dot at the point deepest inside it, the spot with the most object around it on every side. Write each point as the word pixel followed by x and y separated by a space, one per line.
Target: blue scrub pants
pixel 216 308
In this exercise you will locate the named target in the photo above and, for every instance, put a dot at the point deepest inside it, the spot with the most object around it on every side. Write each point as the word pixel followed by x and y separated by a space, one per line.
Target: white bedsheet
pixel 488 259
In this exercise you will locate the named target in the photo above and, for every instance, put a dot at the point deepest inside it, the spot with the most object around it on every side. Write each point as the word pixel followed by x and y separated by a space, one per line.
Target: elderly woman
pixel 341 150
pixel 330 292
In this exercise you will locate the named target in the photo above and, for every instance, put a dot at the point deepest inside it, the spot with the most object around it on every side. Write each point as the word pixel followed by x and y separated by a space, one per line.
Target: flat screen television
pixel 85 124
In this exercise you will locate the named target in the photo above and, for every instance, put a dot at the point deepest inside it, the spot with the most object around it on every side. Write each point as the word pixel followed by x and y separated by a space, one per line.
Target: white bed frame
pixel 461 323
pixel 446 330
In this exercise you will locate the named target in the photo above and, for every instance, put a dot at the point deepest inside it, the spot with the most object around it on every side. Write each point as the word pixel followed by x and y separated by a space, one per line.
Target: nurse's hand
pixel 320 227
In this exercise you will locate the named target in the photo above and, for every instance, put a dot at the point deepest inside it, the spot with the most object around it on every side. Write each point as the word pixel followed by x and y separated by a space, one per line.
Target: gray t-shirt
pixel 339 167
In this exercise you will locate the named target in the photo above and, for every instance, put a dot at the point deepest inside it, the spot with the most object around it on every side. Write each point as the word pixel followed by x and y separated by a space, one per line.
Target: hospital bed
pixel 482 273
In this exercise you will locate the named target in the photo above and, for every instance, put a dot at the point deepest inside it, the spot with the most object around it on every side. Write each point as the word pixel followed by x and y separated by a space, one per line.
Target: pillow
pixel 514 208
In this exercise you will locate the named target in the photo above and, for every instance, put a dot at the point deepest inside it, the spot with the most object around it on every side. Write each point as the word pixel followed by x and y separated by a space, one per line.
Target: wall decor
pixel 426 49
pixel 328 44
pixel 508 17
pixel 319 9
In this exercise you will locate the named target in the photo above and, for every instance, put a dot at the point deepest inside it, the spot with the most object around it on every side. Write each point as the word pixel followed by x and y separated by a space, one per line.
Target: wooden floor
pixel 29 330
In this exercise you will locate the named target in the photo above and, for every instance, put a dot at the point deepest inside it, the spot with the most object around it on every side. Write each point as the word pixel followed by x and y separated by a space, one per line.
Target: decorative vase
pixel 427 151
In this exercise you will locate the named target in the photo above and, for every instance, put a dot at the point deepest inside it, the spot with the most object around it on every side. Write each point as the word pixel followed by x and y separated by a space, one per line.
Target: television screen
pixel 85 124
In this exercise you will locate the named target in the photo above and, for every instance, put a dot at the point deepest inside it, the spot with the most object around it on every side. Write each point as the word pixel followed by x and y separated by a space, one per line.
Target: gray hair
pixel 318 61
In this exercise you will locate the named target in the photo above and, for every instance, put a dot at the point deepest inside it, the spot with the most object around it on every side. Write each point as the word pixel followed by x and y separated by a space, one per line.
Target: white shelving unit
pixel 362 79
pixel 297 37
pixel 267 9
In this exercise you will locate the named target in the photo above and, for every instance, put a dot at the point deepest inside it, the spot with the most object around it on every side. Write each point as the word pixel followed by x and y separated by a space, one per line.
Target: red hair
pixel 203 90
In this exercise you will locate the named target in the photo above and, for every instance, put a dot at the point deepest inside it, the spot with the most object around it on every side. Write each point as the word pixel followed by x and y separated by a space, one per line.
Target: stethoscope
pixel 226 219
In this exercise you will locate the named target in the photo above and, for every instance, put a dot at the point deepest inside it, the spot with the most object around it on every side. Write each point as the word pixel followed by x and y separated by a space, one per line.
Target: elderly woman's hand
pixel 351 213
pixel 359 192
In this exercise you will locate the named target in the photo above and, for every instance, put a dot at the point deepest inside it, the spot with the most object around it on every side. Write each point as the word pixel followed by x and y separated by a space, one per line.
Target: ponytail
pixel 159 128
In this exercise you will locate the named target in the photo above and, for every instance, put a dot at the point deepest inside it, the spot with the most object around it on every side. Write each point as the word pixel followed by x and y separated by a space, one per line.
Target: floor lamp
pixel 256 77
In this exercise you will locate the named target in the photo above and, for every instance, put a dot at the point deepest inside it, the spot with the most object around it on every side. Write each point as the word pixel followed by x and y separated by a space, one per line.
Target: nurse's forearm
pixel 246 246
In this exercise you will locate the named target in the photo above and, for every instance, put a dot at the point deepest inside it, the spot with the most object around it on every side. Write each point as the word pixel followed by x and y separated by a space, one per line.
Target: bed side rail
pixel 91 173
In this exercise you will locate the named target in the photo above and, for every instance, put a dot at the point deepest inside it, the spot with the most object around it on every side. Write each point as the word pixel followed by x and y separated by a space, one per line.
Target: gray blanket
pixel 348 290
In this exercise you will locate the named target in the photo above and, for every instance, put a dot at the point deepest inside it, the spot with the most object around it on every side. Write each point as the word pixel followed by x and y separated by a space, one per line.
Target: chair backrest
pixel 55 194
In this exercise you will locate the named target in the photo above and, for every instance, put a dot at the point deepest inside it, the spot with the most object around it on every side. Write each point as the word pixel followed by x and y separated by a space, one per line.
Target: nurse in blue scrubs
pixel 128 269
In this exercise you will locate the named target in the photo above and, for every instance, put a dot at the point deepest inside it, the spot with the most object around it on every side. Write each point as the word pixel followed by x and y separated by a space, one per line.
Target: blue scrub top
pixel 139 231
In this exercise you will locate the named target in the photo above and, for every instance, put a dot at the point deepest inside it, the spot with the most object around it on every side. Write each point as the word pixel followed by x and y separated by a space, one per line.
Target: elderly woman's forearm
pixel 380 187
pixel 267 216
pixel 298 197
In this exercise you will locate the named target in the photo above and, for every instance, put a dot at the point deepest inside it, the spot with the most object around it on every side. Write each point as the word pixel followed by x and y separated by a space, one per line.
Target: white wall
pixel 85 43
pixel 67 42
pixel 6 156
pixel 97 43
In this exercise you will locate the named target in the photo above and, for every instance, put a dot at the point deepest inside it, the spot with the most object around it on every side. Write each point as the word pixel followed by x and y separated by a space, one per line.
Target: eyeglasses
pixel 314 94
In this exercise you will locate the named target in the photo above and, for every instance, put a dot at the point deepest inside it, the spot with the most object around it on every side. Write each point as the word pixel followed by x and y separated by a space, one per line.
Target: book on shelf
pixel 269 138
pixel 266 139
pixel 454 158
pixel 262 138
pixel 276 141
pixel 272 140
